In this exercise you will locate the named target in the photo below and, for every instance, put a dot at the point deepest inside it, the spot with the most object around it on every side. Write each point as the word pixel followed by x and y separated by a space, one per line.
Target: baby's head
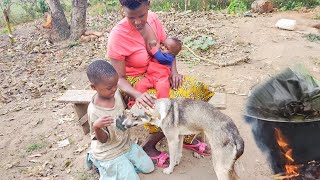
pixel 171 46
pixel 103 78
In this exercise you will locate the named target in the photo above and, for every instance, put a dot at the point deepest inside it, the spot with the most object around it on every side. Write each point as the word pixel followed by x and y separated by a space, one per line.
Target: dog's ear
pixel 153 114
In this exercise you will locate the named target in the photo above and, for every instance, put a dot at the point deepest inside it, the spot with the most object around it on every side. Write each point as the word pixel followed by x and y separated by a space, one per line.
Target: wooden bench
pixel 82 98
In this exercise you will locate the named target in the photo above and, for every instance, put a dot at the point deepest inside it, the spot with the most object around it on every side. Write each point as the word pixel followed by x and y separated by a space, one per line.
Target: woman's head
pixel 136 12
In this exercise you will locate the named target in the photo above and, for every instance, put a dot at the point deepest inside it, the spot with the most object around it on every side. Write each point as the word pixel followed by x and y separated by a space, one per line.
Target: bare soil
pixel 35 72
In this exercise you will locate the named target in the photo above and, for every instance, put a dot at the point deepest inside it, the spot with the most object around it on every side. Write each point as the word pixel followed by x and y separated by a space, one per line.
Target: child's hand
pixel 103 122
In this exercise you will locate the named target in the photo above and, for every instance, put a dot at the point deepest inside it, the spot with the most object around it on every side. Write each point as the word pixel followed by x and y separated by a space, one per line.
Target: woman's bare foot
pixel 149 146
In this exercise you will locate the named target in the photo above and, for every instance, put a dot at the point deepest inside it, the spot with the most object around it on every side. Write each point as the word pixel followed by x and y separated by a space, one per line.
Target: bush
pixel 238 6
pixel 294 4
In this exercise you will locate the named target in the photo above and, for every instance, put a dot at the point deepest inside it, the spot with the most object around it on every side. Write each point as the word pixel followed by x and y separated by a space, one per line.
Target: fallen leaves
pixel 63 143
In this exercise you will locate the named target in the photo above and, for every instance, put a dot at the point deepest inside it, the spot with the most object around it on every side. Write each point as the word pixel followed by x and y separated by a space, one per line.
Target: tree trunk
pixel 6 18
pixel 78 18
pixel 60 27
pixel 105 6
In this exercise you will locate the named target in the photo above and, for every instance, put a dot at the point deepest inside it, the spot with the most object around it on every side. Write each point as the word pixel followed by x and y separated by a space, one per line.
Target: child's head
pixel 103 78
pixel 171 46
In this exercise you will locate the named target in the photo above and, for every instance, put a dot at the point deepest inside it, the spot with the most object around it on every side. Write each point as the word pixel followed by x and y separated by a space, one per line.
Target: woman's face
pixel 137 17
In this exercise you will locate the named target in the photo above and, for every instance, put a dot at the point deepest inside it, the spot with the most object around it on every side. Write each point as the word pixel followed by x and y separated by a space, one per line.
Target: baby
pixel 159 69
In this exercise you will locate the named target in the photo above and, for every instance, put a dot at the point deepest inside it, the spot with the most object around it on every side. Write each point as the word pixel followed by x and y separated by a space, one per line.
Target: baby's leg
pixel 143 85
pixel 139 158
pixel 162 86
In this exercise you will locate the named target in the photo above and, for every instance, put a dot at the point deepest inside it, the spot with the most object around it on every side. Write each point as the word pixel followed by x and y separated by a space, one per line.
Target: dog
pixel 178 117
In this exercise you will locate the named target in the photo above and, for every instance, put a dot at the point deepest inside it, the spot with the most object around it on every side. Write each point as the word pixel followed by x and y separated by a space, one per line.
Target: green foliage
pixel 42 6
pixel 195 5
pixel 199 43
pixel 295 4
pixel 96 9
pixel 35 146
pixel 313 37
pixel 238 6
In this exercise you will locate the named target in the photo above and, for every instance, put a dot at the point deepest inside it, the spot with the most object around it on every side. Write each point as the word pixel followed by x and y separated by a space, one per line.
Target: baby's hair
pixel 178 41
pixel 132 4
pixel 179 45
pixel 99 70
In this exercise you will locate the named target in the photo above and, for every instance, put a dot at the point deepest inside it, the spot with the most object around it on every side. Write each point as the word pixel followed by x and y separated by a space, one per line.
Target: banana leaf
pixel 291 96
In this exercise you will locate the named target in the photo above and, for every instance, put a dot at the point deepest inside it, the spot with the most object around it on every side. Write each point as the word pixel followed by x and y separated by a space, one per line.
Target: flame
pixel 291 169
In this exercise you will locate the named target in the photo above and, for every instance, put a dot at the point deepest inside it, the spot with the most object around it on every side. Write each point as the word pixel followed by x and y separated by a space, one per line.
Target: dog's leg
pixel 179 153
pixel 223 159
pixel 173 143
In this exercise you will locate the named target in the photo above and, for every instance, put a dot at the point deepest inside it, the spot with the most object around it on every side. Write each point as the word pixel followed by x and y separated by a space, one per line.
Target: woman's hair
pixel 132 4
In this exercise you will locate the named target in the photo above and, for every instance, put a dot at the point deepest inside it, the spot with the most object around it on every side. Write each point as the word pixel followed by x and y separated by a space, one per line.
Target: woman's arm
pixel 123 84
pixel 175 78
pixel 143 99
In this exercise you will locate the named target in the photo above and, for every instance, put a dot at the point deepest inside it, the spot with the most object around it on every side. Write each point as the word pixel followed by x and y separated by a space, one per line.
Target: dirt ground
pixel 34 73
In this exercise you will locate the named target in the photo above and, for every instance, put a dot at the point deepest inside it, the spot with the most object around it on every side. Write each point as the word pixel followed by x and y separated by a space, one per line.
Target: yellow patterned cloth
pixel 190 88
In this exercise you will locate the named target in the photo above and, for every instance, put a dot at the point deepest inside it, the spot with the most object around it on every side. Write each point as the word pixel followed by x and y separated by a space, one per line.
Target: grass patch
pixel 35 146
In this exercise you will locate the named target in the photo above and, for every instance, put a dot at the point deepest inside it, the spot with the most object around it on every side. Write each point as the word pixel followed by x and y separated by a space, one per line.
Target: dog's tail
pixel 240 146
pixel 239 149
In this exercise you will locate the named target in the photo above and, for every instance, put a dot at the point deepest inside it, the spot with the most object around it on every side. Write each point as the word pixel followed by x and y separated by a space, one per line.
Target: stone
pixel 262 6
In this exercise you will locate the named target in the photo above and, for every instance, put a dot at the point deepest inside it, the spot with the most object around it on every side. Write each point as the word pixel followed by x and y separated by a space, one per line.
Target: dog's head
pixel 138 116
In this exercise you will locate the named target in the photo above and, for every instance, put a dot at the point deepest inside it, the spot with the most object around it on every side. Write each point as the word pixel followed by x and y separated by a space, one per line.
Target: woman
pixel 128 54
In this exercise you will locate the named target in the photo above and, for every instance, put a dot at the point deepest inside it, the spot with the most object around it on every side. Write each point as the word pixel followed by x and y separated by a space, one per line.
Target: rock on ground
pixel 262 6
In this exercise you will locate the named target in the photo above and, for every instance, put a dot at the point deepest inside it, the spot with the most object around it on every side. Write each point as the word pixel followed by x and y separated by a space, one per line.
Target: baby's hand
pixel 103 122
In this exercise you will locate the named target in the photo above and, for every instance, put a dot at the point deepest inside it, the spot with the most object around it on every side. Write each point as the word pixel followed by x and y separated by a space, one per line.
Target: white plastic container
pixel 287 24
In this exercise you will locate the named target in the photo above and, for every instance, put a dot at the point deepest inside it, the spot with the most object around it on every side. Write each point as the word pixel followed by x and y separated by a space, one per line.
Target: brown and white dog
pixel 178 117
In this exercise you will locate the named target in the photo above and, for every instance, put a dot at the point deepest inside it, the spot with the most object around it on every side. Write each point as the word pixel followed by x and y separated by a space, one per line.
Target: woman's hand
pixel 146 100
pixel 176 80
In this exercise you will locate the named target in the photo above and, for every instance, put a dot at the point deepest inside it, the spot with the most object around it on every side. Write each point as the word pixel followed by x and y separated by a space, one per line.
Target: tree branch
pixel 235 62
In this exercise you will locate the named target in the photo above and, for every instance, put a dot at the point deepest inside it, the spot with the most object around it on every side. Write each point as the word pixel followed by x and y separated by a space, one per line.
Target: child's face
pixel 169 46
pixel 107 87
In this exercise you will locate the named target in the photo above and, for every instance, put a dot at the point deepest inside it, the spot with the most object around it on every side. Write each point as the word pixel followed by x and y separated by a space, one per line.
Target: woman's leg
pixel 149 145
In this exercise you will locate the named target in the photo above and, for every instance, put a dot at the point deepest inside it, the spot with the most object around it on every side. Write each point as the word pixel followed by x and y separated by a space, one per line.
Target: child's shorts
pixel 124 167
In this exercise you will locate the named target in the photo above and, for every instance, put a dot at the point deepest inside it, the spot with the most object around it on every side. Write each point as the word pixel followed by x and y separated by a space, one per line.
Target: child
pixel 159 69
pixel 111 151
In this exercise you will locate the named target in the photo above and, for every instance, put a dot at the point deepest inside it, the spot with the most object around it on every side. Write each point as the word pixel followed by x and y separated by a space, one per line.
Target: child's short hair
pixel 100 69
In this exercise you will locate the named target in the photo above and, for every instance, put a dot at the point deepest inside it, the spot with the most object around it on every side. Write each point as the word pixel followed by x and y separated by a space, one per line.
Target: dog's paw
pixel 167 170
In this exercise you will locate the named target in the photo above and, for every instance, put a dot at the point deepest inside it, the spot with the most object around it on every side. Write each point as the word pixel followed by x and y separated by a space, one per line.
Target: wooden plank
pixel 77 96
pixel 80 109
pixel 219 100
pixel 85 124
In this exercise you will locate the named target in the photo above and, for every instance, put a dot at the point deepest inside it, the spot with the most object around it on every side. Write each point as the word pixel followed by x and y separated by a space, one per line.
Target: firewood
pixel 85 39
pixel 96 33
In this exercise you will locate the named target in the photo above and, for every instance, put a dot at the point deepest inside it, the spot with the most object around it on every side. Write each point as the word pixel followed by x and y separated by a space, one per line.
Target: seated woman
pixel 128 54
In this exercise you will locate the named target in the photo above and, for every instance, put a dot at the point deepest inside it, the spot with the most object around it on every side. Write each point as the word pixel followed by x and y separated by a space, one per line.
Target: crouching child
pixel 111 150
